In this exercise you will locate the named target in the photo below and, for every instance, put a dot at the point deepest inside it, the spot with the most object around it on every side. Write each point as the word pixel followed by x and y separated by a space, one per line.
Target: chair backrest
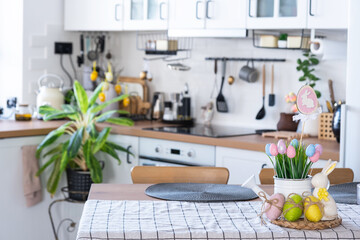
pixel 338 176
pixel 160 174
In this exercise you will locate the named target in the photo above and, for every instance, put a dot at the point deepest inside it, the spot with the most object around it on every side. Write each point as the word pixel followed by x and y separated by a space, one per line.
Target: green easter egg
pixel 295 213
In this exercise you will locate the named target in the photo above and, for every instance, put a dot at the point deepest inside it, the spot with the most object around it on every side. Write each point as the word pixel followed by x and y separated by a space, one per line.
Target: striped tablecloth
pixel 150 220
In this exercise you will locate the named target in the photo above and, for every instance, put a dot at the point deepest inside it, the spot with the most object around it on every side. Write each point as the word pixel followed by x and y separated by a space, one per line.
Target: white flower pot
pixel 287 186
pixel 282 43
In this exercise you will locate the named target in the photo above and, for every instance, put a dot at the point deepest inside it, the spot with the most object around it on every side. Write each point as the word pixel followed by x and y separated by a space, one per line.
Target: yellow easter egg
pixel 117 88
pixel 312 213
pixel 126 102
pixel 105 86
pixel 93 75
pixel 102 97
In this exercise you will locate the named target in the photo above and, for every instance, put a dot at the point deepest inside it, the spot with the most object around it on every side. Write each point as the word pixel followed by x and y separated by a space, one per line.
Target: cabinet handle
pixel 161 7
pixel 116 12
pixel 250 9
pixel 207 9
pixel 128 155
pixel 310 9
pixel 197 10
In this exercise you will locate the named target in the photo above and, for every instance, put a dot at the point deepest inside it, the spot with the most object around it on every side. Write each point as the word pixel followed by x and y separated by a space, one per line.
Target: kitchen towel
pixel 154 220
pixel 31 183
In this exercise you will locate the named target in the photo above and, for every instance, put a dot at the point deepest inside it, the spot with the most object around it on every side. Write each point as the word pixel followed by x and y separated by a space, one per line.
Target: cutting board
pixel 284 135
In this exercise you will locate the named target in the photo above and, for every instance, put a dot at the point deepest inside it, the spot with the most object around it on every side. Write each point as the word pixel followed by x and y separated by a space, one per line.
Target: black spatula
pixel 221 105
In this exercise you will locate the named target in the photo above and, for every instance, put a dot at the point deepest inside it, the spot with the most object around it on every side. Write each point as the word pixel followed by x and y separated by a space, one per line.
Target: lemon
pixel 313 213
pixel 117 88
pixel 126 102
pixel 102 97
pixel 294 213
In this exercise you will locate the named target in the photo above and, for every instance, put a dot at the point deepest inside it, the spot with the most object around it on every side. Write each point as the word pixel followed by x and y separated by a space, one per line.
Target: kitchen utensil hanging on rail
pixel 272 95
pixel 215 85
pixel 261 113
pixel 221 105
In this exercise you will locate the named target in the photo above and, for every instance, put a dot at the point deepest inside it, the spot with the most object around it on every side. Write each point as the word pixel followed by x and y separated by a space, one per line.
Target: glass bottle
pixel 23 113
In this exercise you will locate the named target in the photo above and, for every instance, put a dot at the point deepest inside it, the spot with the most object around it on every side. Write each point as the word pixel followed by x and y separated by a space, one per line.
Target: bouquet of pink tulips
pixel 293 161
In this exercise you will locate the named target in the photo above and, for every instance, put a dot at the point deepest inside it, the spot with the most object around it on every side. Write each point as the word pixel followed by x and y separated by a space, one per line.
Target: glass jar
pixel 23 113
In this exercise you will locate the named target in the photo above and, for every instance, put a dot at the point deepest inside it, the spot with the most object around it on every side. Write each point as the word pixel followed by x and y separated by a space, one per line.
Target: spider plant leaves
pixel 120 121
pixel 81 97
pixel 101 139
pixel 100 107
pixel 75 143
pixel 51 138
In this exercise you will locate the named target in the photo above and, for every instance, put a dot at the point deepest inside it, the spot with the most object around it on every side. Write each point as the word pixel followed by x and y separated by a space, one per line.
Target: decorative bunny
pixel 320 182
pixel 307 101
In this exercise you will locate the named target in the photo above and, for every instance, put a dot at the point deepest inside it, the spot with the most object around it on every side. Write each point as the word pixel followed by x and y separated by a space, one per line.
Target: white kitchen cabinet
pixel 276 14
pixel 145 14
pixel 207 18
pixel 241 163
pixel 327 14
pixel 93 15
pixel 115 173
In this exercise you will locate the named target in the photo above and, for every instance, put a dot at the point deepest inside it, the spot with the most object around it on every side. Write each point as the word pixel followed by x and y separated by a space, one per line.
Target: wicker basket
pixel 301 224
pixel 79 183
pixel 325 127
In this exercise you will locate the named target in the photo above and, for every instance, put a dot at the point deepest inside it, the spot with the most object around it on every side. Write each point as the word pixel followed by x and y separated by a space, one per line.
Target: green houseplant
pixel 79 150
pixel 306 66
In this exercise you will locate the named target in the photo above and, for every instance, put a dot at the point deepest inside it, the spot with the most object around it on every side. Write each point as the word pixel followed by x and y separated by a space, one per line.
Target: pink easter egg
pixel 274 212
pixel 291 151
pixel 315 157
pixel 294 108
pixel 319 148
pixel 273 150
pixel 281 146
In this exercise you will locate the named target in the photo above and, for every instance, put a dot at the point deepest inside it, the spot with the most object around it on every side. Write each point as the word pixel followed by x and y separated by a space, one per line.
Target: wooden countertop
pixel 12 128
pixel 135 192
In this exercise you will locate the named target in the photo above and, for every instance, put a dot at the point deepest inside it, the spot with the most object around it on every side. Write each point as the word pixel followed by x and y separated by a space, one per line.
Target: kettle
pixel 49 93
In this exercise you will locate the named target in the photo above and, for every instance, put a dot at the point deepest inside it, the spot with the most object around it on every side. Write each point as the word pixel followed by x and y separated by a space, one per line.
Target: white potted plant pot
pixel 287 186
pixel 282 43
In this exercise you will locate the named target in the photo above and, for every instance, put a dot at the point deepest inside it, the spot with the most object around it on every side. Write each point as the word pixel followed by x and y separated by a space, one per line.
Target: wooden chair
pixel 338 176
pixel 160 174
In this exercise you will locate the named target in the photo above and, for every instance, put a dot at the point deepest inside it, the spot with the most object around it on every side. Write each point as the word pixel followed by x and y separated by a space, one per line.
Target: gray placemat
pixel 200 192
pixel 344 193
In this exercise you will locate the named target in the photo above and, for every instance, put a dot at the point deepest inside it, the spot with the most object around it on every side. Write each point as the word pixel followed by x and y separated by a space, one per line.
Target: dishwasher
pixel 158 152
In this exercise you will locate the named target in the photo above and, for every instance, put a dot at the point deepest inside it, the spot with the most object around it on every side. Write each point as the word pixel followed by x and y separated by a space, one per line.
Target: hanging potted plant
pixel 292 164
pixel 77 155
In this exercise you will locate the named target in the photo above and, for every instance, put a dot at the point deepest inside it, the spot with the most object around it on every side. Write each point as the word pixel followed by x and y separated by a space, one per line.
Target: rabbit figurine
pixel 321 182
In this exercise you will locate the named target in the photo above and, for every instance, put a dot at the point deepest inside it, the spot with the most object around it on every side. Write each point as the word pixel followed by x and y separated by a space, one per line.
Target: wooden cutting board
pixel 284 135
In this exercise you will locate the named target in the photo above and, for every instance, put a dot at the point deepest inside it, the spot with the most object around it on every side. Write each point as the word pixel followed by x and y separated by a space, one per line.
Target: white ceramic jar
pixel 288 186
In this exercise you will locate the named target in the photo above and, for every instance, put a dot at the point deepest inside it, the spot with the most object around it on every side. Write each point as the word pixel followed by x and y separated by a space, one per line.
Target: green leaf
pixel 75 143
pixel 46 109
pixel 312 77
pixel 91 129
pixel 101 139
pixel 312 85
pixel 81 97
pixel 108 114
pixel 306 62
pixel 54 178
pixel 314 61
pixel 50 161
pixel 121 121
pixel 95 95
pixel 105 104
pixel 65 157
pixel 95 171
pixel 88 153
pixel 318 94
pixel 298 68
pixel 60 115
pixel 107 149
pixel 299 61
pixel 119 148
pixel 301 79
pixel 306 54
pixel 51 138
pixel 54 150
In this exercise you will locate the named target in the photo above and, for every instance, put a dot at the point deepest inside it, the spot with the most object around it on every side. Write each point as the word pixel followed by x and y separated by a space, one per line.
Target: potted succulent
pixel 282 42
pixel 77 154
pixel 292 163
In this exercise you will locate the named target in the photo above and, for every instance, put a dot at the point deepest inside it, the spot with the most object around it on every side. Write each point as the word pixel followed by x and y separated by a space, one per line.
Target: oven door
pixel 143 161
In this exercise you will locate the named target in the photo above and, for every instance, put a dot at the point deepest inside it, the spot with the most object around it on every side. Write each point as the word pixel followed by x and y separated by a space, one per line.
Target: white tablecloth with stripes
pixel 150 220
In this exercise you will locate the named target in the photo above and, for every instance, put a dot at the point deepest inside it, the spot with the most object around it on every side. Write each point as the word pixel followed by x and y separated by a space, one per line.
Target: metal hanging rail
pixel 246 59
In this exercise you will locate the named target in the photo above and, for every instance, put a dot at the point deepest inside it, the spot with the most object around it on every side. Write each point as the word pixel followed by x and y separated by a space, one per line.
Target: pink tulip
pixel 319 148
pixel 315 157
pixel 281 146
pixel 273 150
pixel 291 151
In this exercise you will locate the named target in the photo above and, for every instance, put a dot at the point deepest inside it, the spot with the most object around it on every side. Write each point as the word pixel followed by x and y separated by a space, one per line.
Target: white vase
pixel 311 127
pixel 282 43
pixel 287 186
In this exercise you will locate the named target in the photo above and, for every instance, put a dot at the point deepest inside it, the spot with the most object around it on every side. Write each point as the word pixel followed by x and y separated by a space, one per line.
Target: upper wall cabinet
pixel 145 14
pixel 93 15
pixel 207 18
pixel 276 14
pixel 327 14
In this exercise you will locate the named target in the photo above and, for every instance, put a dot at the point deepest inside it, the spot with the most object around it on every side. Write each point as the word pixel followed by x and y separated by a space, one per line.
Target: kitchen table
pixel 116 211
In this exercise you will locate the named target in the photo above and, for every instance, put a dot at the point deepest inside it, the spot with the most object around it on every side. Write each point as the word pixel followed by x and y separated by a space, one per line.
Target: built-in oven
pixel 158 152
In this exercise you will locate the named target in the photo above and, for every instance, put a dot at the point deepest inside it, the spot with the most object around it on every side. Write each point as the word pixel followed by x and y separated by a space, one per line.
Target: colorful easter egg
pixel 291 152
pixel 310 150
pixel 314 158
pixel 267 149
pixel 294 143
pixel 294 108
pixel 313 212
pixel 319 148
pixel 274 211
pixel 281 146
pixel 294 213
pixel 273 150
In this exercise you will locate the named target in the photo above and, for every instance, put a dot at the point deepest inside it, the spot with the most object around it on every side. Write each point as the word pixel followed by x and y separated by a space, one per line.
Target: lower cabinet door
pixel 241 163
